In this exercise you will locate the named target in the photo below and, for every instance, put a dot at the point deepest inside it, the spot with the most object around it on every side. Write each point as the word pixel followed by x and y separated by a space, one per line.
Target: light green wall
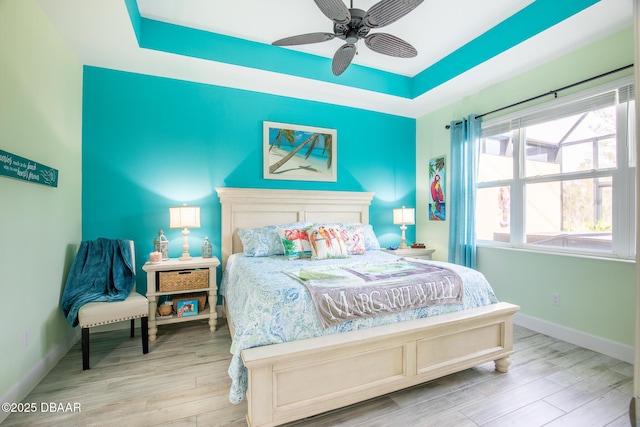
pixel 596 296
pixel 526 278
pixel 40 119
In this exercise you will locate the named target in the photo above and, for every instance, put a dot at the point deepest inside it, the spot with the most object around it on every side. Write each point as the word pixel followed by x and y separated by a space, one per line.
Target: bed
pixel 287 381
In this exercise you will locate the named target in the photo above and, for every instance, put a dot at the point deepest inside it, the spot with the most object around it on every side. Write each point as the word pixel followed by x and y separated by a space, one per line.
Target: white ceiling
pixel 101 34
pixel 267 21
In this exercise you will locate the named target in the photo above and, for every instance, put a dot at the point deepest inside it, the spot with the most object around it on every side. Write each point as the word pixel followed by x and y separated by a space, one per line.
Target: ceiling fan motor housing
pixel 354 30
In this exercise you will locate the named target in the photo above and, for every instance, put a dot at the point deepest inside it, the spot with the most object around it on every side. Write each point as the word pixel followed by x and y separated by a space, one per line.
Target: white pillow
pixel 326 242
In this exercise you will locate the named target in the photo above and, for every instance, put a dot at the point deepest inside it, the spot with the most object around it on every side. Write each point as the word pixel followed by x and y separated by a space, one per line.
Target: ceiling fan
pixel 352 25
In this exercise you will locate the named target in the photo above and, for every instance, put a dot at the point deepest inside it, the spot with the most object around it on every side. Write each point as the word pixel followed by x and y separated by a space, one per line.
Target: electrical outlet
pixel 25 338
pixel 555 298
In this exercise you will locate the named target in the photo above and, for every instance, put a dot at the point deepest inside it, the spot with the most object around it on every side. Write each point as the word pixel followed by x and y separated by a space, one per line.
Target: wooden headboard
pixel 257 207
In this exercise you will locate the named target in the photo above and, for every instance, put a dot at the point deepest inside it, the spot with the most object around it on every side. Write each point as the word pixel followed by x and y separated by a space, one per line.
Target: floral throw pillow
pixel 353 236
pixel 370 239
pixel 264 241
pixel 327 242
pixel 295 242
pixel 368 236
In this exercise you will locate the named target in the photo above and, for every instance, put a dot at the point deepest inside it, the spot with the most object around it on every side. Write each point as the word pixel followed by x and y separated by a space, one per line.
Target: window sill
pixel 532 250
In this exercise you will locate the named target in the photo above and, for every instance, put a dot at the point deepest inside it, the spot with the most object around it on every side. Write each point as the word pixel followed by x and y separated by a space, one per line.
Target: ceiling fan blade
pixel 342 58
pixel 304 39
pixel 334 10
pixel 387 11
pixel 390 45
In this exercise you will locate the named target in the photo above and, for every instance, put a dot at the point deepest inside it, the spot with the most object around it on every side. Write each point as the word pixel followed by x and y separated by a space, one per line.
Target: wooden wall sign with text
pixel 20 168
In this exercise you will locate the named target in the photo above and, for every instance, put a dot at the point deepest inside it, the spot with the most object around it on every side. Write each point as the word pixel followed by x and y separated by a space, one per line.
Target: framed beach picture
pixel 437 180
pixel 300 153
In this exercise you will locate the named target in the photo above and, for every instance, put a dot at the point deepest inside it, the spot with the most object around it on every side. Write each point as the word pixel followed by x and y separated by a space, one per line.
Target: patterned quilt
pixel 268 306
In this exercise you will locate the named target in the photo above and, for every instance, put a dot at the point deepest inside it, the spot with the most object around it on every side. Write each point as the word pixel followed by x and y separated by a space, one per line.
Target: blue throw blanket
pixel 101 271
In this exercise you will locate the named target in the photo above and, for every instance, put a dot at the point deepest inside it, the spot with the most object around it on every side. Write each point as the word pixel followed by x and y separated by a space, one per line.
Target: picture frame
pixel 437 193
pixel 299 153
pixel 187 307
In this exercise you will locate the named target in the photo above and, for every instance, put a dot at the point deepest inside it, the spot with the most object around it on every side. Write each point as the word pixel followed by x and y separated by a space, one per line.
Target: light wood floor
pixel 183 382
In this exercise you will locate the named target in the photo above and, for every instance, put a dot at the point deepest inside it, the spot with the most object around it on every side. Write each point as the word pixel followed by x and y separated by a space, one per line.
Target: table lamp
pixel 403 217
pixel 184 217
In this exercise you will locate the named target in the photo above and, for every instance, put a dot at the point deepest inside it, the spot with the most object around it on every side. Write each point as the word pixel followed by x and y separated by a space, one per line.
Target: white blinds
pixel 557 109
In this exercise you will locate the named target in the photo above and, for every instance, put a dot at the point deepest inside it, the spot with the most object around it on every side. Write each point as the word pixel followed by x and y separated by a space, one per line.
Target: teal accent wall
pixel 533 19
pixel 150 143
pixel 220 48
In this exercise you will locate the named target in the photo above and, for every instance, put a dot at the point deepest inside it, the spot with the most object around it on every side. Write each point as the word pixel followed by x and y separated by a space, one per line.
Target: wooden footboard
pixel 295 380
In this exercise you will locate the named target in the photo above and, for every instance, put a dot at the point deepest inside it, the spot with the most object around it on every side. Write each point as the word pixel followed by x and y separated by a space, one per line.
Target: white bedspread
pixel 269 307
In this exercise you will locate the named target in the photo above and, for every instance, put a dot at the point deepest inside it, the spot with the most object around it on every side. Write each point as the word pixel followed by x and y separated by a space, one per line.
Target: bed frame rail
pixel 299 379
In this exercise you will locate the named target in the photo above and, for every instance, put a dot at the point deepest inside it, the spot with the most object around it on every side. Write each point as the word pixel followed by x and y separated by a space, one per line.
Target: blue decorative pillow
pixel 264 241
pixel 370 239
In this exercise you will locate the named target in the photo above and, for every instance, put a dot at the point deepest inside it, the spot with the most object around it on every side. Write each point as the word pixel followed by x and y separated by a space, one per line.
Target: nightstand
pixel 198 268
pixel 412 253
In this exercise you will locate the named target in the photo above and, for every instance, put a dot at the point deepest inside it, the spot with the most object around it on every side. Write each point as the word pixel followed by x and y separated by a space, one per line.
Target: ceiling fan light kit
pixel 352 25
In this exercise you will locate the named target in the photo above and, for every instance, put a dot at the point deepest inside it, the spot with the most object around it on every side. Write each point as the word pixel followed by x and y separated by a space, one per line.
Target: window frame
pixel 622 176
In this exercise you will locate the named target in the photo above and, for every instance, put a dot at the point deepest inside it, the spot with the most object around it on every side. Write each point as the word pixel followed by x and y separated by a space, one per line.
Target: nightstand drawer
pixel 181 280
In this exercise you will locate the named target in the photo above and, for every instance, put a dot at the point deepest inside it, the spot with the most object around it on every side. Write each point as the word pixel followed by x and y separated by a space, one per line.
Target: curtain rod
pixel 551 92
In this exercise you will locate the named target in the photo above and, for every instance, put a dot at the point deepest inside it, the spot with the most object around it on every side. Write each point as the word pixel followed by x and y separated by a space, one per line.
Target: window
pixel 561 176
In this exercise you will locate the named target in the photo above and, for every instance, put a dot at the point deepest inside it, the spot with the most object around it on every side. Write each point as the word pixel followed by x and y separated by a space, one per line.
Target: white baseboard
pixel 26 384
pixel 592 342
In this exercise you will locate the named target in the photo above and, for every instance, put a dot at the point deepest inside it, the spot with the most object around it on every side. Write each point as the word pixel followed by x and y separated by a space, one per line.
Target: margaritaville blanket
pixel 345 292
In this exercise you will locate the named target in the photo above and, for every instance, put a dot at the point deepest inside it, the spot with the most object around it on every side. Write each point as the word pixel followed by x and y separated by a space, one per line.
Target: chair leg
pixel 133 326
pixel 85 349
pixel 144 326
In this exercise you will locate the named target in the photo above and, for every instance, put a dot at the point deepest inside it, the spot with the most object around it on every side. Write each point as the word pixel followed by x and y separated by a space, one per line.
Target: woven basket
pixel 182 280
pixel 200 296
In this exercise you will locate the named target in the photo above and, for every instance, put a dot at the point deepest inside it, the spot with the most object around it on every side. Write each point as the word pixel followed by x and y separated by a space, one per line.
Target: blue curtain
pixel 463 165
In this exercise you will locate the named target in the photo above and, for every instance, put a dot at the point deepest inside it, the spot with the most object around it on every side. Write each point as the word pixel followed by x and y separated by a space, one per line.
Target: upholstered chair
pixel 103 313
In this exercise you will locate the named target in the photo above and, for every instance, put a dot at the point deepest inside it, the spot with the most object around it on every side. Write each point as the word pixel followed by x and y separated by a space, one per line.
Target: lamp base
pixel 185 246
pixel 403 244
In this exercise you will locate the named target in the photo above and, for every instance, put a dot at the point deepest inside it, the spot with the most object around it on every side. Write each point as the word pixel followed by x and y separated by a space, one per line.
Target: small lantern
pixel 207 249
pixel 161 244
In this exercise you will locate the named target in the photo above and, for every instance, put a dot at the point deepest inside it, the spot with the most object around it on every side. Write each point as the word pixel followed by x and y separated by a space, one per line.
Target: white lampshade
pixel 404 216
pixel 184 217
